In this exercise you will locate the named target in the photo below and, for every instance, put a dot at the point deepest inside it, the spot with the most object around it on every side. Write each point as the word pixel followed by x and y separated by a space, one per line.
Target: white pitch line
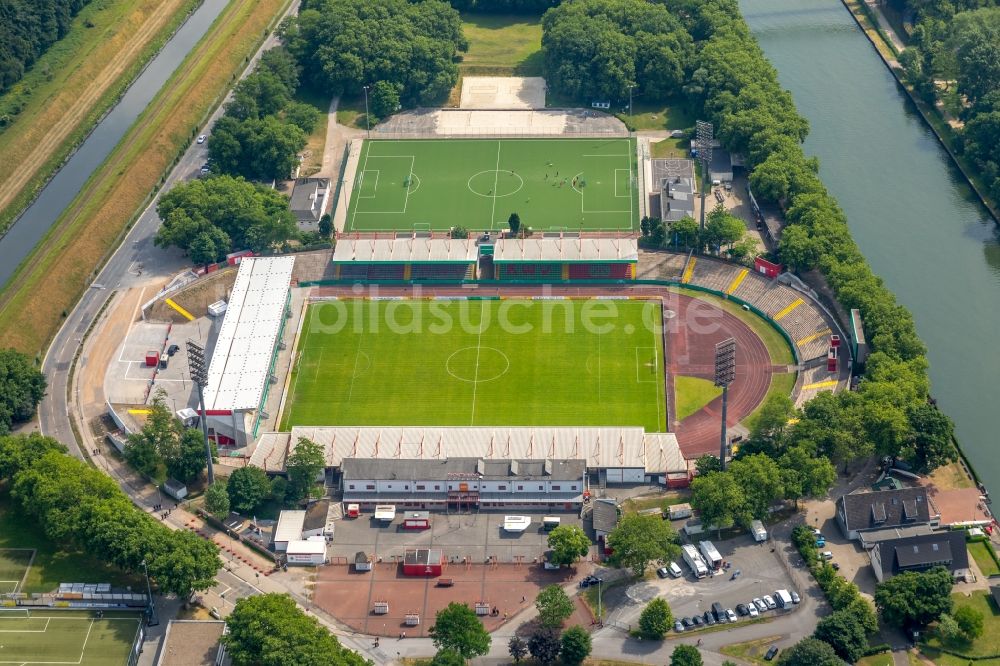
pixel 479 349
pixel 496 181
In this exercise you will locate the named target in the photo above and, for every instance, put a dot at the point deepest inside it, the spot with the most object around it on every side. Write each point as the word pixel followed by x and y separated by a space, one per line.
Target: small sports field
pixel 479 363
pixel 66 637
pixel 552 184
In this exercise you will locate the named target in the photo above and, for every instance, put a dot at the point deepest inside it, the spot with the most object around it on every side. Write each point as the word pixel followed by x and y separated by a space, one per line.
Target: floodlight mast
pixel 703 139
pixel 199 375
pixel 725 373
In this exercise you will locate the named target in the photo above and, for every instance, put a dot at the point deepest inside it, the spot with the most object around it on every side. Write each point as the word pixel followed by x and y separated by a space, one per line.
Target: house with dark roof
pixel 862 512
pixel 309 199
pixel 604 517
pixel 919 553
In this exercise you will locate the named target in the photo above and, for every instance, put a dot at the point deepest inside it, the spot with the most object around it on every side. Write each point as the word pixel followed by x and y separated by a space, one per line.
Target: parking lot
pixel 761 573
pixel 476 537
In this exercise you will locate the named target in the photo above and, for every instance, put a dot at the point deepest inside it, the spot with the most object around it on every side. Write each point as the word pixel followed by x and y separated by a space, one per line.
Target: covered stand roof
pixel 409 250
pixel 241 359
pixel 657 453
pixel 566 250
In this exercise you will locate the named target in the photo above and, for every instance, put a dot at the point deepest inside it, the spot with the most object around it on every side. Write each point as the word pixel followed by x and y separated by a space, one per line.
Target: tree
pixel 655 619
pixel 544 645
pixel 248 487
pixel 459 232
pixel 517 648
pixel 384 99
pixel 970 620
pixel 932 442
pixel 325 225
pixel 554 606
pixel 640 538
pixel 568 543
pixel 575 646
pixel 447 658
pixel 217 499
pixel 707 463
pixel 514 222
pixel 805 473
pixel 188 461
pixel 159 439
pixel 303 466
pixel 948 629
pixel 303 116
pixel 914 599
pixel 686 232
pixel 810 652
pixel 685 655
pixel 457 628
pixel 720 499
pixel 18 452
pixel 22 387
pixel 409 48
pixel 842 629
pixel 271 630
pixel 760 478
pixel 768 427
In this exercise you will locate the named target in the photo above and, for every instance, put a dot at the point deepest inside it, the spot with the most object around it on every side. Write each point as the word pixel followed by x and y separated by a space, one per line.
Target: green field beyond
pixel 479 363
pixel 568 184
pixel 66 637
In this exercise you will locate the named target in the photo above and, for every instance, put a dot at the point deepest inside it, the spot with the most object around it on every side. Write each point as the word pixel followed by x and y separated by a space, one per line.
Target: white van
pixel 783 598
pixel 674 570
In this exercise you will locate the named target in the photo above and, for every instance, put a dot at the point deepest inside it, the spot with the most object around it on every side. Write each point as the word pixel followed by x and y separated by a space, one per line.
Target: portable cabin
pixel 416 520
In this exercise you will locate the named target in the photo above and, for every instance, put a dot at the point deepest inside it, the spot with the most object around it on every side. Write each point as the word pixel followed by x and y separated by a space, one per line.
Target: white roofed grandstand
pixel 405 250
pixel 566 249
pixel 601 448
pixel 244 350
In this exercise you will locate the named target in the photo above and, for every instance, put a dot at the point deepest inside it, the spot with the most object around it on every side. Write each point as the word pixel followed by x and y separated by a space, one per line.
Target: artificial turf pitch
pixel 66 637
pixel 552 184
pixel 465 363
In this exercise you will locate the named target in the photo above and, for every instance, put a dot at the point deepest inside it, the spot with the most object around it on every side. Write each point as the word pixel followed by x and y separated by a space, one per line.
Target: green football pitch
pixel 14 563
pixel 66 637
pixel 552 184
pixel 479 363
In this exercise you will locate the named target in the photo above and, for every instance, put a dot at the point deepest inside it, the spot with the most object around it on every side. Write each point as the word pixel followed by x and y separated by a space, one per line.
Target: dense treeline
pixel 598 49
pixel 889 414
pixel 407 47
pixel 962 50
pixel 22 387
pixel 27 29
pixel 504 6
pixel 263 130
pixel 79 506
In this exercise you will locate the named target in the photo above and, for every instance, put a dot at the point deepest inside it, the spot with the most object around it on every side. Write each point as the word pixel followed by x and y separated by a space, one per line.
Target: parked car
pixel 759 603
pixel 697 621
pixel 769 602
pixel 820 541
pixel 709 618
pixel 674 570
pixel 836 566
pixel 736 574
pixel 772 652
pixel 201 138
pixel 686 621
pixel 172 349
pixel 676 134
pixel 589 580
pixel 205 169
pixel 742 609
pixel 753 609
pixel 678 626
pixel 718 611
pixel 826 555
pixel 662 572
pixel 795 597
pixel 730 615
pixel 817 532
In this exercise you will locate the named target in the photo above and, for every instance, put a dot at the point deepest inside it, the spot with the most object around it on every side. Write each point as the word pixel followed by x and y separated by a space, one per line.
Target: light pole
pixel 600 616
pixel 199 375
pixel 368 125
pixel 631 87
pixel 703 138
pixel 151 621
pixel 725 373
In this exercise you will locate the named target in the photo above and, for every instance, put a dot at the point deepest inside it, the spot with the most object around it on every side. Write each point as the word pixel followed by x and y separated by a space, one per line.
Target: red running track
pixel 693 330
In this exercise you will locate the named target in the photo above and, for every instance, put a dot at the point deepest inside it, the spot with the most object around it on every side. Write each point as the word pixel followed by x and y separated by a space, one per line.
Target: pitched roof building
pixel 919 553
pixel 866 511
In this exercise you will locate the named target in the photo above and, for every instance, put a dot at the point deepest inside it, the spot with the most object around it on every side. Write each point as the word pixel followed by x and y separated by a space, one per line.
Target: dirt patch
pixel 195 297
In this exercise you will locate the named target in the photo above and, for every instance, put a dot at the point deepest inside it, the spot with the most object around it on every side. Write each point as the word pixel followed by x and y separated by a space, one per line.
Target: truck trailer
pixel 693 559
pixel 758 531
pixel 712 557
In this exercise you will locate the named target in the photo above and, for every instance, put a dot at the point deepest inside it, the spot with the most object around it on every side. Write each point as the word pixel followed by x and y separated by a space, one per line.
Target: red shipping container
pixel 831 360
pixel 423 562
pixel 152 358
pixel 766 267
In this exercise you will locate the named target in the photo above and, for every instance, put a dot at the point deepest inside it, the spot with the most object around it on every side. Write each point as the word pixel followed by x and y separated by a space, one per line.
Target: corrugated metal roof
pixel 242 356
pixel 566 249
pixel 289 527
pixel 405 250
pixel 657 453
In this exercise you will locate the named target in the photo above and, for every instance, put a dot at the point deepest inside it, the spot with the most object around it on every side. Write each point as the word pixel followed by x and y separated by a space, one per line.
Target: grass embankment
pixel 502 45
pixel 659 116
pixel 645 502
pixel 316 141
pixel 752 651
pixel 782 383
pixel 72 85
pixel 52 278
pixel 980 551
pixel 985 650
pixel 693 393
pixel 678 148
pixel 52 566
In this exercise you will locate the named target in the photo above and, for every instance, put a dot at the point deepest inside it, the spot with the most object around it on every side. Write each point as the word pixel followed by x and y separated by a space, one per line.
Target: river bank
pixel 930 115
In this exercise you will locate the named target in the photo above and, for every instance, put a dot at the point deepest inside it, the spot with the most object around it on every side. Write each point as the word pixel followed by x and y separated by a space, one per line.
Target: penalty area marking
pixel 361 183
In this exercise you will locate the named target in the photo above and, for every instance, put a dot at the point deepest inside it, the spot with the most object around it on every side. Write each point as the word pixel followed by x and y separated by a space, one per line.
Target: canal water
pixel 915 219
pixel 66 184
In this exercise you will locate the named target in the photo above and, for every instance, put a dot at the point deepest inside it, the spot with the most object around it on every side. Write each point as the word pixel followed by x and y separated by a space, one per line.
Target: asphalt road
pixel 136 261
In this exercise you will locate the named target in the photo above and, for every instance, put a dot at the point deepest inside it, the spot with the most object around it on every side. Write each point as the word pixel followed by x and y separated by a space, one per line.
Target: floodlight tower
pixel 703 139
pixel 199 375
pixel 725 373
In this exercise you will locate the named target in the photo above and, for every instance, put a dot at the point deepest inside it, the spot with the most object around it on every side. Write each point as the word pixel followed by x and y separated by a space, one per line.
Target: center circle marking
pixel 492 363
pixel 495 183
